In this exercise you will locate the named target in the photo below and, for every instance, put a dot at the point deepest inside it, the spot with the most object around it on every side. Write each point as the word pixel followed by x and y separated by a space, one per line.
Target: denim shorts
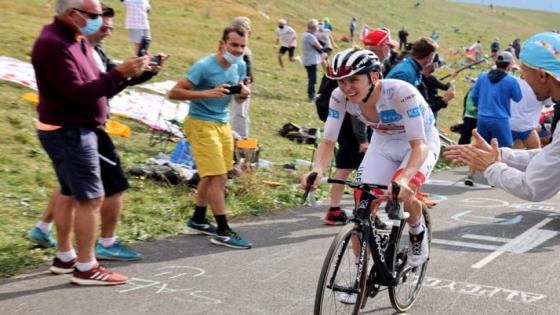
pixel 73 152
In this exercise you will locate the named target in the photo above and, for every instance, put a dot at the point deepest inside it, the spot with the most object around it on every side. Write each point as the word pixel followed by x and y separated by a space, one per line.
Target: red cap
pixel 379 37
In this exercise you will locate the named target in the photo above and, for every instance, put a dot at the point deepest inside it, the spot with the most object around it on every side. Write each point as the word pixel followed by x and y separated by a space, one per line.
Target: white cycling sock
pixel 87 265
pixel 45 227
pixel 107 241
pixel 66 256
pixel 416 227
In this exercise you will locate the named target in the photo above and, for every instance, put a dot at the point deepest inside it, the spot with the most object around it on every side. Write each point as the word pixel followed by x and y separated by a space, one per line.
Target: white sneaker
pixel 419 250
pixel 298 59
pixel 348 298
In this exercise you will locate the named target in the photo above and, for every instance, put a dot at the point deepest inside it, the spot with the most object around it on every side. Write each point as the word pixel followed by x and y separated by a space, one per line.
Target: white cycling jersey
pixel 404 115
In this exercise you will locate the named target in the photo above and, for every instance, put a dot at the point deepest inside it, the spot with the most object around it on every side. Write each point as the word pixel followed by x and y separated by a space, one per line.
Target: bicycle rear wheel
pixel 410 278
pixel 339 290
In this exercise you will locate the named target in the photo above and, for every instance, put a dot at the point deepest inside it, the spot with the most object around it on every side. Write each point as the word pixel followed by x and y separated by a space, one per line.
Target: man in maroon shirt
pixel 72 105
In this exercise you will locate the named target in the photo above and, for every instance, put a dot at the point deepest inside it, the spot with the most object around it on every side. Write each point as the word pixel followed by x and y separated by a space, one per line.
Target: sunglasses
pixel 91 16
pixel 342 71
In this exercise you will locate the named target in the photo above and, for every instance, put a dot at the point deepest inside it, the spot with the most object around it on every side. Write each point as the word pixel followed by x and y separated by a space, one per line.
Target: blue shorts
pixel 521 135
pixel 498 128
pixel 73 152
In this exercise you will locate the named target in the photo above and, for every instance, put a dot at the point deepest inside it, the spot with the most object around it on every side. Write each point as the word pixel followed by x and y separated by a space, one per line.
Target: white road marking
pixel 486 238
pixel 478 219
pixel 519 244
pixel 465 244
pixel 509 295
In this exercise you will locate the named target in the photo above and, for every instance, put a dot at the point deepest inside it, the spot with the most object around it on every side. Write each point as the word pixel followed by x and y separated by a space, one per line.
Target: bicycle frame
pixel 381 269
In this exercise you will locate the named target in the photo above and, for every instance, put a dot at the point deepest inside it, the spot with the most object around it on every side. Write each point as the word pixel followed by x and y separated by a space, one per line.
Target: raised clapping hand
pixel 479 155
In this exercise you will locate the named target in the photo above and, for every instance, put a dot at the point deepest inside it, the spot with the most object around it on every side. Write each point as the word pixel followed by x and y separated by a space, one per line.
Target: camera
pixel 144 45
pixel 234 89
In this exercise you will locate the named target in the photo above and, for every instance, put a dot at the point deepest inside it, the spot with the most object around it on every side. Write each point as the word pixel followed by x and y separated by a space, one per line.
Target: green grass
pixel 189 30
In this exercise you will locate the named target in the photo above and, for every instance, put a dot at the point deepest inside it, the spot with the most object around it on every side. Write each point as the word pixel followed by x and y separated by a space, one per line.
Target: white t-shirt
pixel 137 14
pixel 286 36
pixel 525 113
pixel 403 114
pixel 324 35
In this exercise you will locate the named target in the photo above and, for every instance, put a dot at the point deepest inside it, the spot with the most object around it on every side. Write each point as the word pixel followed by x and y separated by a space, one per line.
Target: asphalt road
pixel 491 254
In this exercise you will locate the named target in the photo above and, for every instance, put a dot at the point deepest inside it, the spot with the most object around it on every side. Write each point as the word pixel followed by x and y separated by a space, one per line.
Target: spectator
pixel 435 36
pixel 492 93
pixel 430 86
pixel 112 176
pixel 403 35
pixel 528 174
pixel 380 43
pixel 516 47
pixel 364 30
pixel 137 22
pixel 477 49
pixel 207 85
pixel 410 69
pixel 72 108
pixel 240 111
pixel 494 48
pixel 327 23
pixel 324 35
pixel 469 124
pixel 525 116
pixel 352 28
pixel 312 50
pixel 286 38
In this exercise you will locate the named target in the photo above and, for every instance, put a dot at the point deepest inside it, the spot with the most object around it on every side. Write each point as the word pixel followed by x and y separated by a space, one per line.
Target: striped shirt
pixel 137 14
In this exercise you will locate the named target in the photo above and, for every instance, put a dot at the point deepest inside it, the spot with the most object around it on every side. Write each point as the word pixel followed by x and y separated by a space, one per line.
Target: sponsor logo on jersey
pixel 414 112
pixel 334 113
pixel 389 116
pixel 411 96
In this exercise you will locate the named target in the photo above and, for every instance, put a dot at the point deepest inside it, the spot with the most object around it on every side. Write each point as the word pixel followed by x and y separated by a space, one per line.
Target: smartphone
pixel 144 45
pixel 156 59
pixel 234 89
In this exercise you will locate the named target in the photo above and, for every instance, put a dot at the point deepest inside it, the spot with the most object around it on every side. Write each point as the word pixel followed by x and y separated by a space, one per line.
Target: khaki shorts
pixel 212 146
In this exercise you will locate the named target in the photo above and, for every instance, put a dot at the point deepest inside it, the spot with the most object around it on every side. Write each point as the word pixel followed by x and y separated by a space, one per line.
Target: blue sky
pixel 542 5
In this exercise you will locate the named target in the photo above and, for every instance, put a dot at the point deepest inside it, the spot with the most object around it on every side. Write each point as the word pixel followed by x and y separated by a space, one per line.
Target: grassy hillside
pixel 188 30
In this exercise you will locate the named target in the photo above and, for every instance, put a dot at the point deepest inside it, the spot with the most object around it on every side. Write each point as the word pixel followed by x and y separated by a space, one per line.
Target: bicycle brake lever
pixel 310 180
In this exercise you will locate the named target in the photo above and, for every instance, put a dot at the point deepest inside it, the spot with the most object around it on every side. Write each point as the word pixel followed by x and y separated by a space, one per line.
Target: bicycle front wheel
pixel 410 278
pixel 342 284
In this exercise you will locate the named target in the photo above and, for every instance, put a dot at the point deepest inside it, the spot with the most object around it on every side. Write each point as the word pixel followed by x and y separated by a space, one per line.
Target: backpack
pixel 323 97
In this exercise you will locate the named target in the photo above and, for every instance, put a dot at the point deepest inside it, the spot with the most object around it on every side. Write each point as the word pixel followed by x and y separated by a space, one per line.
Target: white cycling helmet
pixel 352 61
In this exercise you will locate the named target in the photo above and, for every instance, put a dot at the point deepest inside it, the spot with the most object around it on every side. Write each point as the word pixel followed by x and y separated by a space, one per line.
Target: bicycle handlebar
pixel 354 184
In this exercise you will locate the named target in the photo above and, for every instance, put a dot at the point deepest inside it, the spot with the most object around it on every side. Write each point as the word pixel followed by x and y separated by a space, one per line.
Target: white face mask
pixel 232 59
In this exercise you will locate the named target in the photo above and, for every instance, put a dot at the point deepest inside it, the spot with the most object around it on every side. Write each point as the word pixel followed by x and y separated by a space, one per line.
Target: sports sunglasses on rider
pixel 342 71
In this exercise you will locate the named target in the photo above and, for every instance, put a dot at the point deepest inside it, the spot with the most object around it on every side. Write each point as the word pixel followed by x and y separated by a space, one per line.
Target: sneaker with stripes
pixel 98 275
pixel 60 267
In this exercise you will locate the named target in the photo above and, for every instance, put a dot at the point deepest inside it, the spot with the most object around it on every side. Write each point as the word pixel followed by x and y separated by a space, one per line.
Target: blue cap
pixel 543 51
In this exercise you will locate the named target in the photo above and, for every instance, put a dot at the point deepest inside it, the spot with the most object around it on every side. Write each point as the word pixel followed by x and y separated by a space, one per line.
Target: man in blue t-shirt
pixel 410 69
pixel 492 94
pixel 209 85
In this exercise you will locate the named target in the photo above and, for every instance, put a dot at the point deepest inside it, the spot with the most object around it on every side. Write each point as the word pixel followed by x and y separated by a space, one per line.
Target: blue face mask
pixel 91 26
pixel 231 59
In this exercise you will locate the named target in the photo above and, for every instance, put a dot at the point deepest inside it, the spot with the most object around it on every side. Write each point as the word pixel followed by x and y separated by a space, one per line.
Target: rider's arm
pixel 419 153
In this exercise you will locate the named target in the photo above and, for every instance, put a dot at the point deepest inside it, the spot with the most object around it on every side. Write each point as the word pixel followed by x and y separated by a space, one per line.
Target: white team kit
pixel 286 36
pixel 404 115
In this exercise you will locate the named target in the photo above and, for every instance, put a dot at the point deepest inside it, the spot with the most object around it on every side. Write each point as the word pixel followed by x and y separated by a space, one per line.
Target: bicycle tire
pixel 340 268
pixel 408 276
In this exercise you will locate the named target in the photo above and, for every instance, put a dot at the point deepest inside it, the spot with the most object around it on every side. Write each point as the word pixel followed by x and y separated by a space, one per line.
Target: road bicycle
pixel 364 260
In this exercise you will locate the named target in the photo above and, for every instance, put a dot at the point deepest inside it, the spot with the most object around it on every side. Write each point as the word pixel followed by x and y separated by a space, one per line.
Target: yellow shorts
pixel 211 144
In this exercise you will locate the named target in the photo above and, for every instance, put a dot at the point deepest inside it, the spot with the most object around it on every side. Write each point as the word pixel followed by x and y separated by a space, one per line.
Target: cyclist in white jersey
pixel 405 144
